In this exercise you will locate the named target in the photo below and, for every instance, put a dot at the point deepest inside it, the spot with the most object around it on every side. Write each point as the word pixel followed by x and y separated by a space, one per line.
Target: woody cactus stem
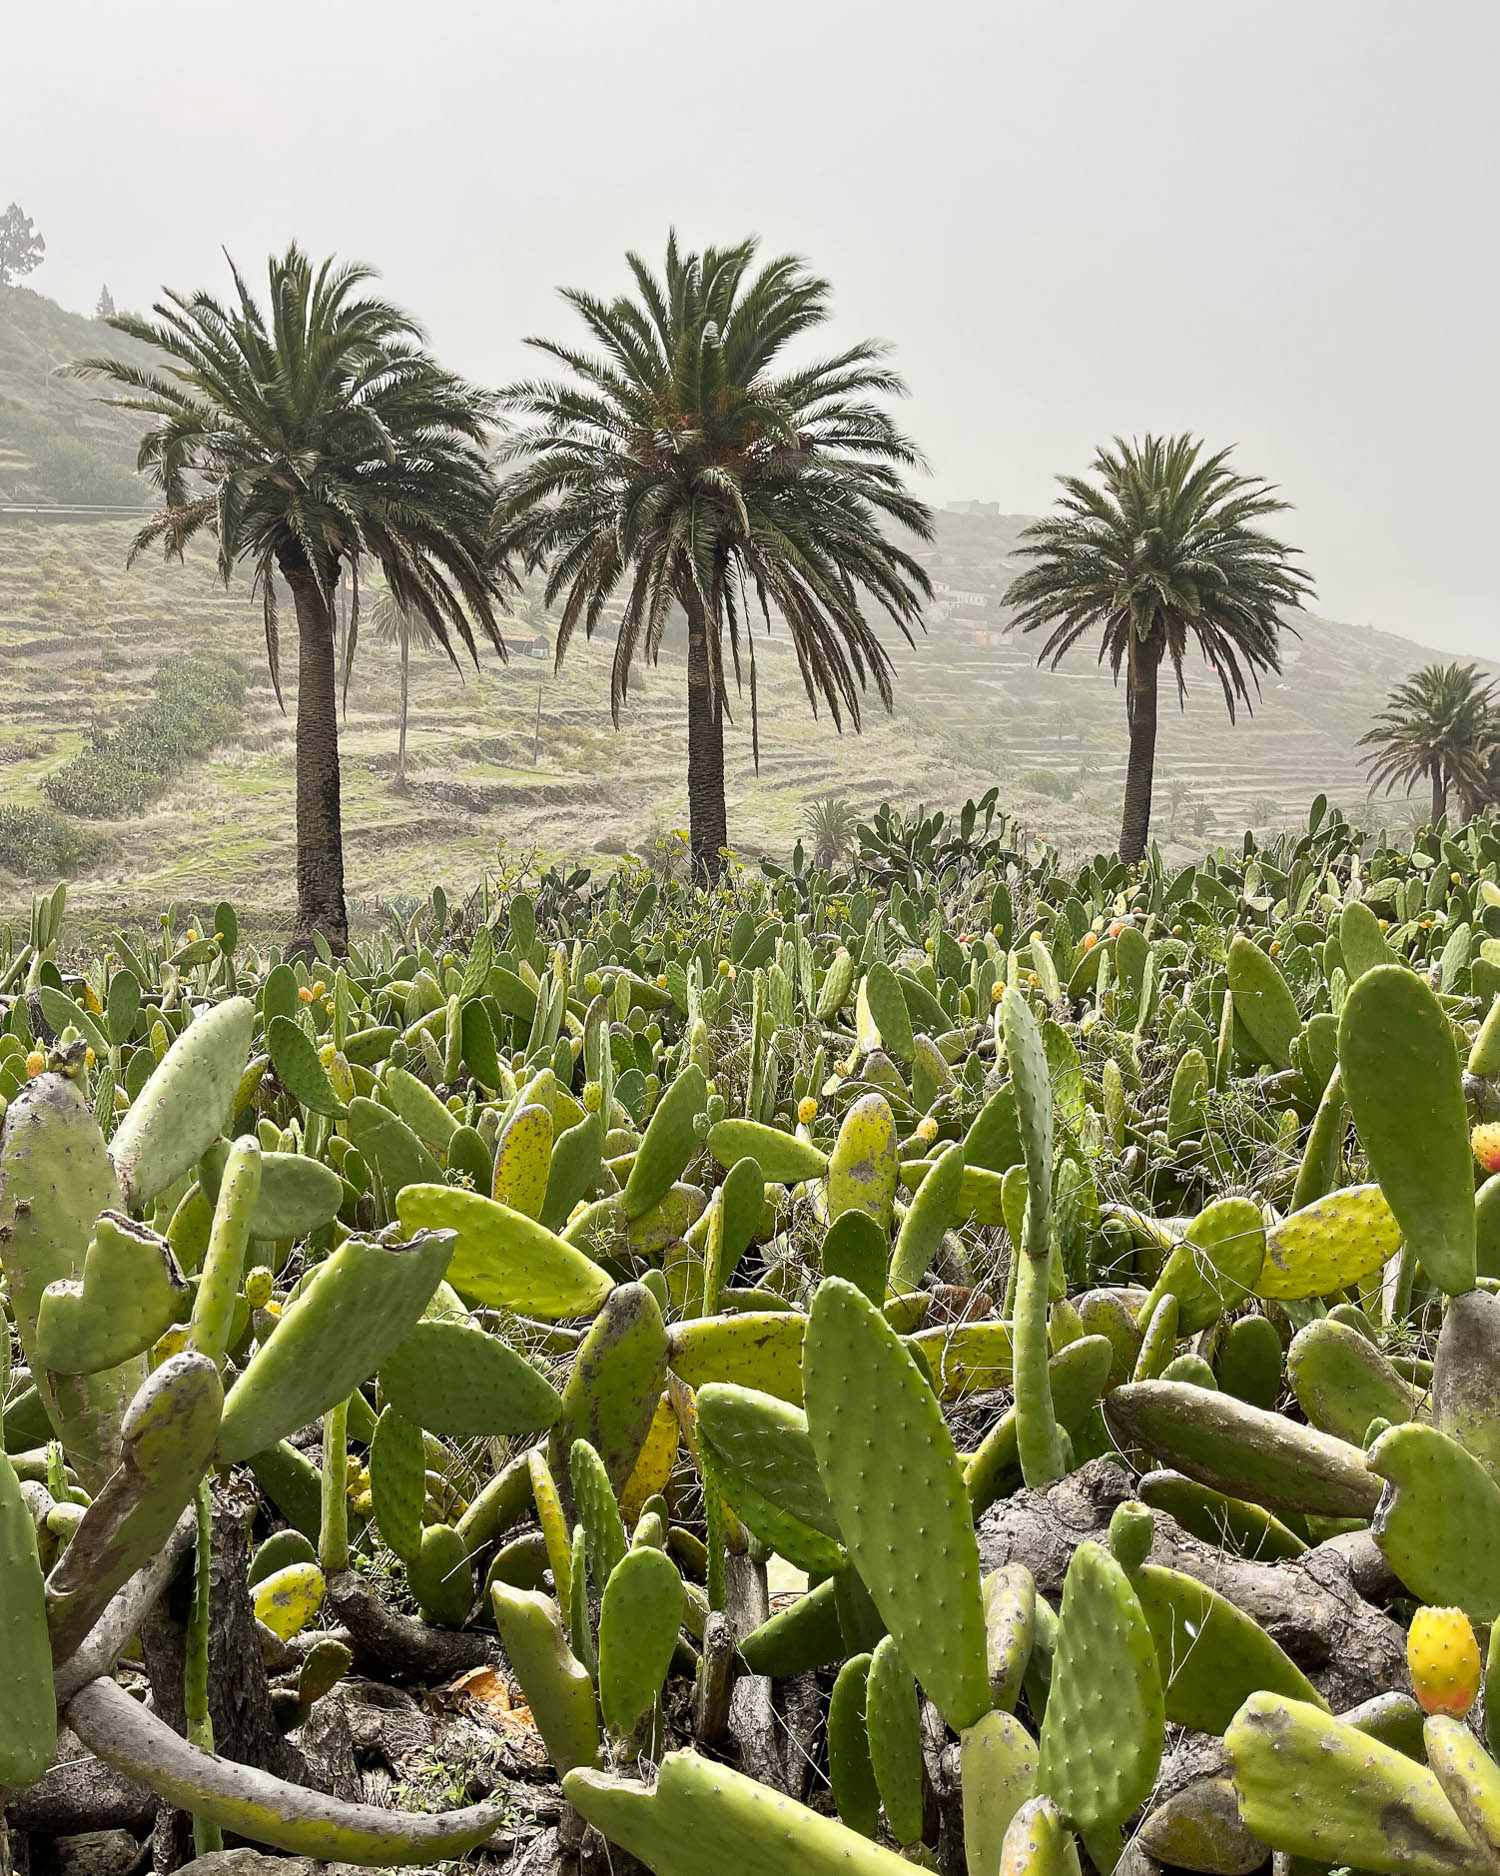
pixel 207 1837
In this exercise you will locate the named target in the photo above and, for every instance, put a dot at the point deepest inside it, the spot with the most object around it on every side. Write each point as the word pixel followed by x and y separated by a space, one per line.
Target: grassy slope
pixel 80 637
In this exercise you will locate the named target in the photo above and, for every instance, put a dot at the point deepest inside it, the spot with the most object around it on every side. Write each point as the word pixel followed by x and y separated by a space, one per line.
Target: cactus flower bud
pixel 258 1283
pixel 35 1063
pixel 1442 1658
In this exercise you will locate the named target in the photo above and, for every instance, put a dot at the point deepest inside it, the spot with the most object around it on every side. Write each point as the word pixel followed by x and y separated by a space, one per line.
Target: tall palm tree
pixel 685 466
pixel 305 437
pixel 1159 551
pixel 1439 724
pixel 391 624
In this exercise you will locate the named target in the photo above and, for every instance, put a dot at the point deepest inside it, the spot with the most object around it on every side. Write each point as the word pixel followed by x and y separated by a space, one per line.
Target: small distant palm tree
pixel 685 466
pixel 830 823
pixel 391 624
pixel 1439 725
pixel 1160 550
pixel 310 437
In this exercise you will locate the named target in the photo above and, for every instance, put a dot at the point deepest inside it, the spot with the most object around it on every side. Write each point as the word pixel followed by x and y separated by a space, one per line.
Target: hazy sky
pixel 1272 221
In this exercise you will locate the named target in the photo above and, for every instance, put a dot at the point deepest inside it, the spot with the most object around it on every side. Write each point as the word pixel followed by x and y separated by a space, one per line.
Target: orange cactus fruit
pixel 1442 1657
pixel 1485 1140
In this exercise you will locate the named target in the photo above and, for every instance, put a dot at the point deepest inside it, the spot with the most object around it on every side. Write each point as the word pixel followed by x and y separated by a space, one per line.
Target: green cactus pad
pixel 556 1684
pixel 598 1512
pixel 1359 1803
pixel 639 1616
pixel 616 1381
pixel 1249 1364
pixel 669 1143
pixel 398 1481
pixel 1010 1627
pixel 294 1056
pixel 967 1357
pixel 28 1713
pixel 856 1248
pixel 806 1634
pixel 1337 1241
pixel 759 1350
pixel 461 1383
pixel 1470 1780
pixel 1102 1733
pixel 897 1490
pixel 1038 1843
pixel 1211 1655
pixel 1362 943
pixel 997 1763
pixel 1405 1089
pixel 765 1442
pixel 356 1310
pixel 1263 1001
pixel 131 1293
pixel 894 1725
pixel 1242 1450
pixel 1438 1523
pixel 856 1796
pixel 703 1815
pixel 297 1195
pixel 783 1159
pixel 422 1110
pixel 931 1211
pixel 802 1546
pixel 1231 1524
pixel 1076 1374
pixel 862 1168
pixel 503 1259
pixel 1343 1382
pixel 1466 1377
pixel 390 1146
pixel 186 1104
pixel 441 1577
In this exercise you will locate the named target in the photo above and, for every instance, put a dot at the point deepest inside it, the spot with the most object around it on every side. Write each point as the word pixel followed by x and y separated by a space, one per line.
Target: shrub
pixel 197 704
pixel 40 843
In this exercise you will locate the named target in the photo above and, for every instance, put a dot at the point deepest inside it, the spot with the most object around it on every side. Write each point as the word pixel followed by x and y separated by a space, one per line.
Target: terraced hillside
pixel 522 756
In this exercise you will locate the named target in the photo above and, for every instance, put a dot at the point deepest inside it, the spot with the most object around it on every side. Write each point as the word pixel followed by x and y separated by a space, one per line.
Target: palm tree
pixel 1438 724
pixel 683 466
pixel 830 823
pixel 391 624
pixel 1159 551
pixel 305 438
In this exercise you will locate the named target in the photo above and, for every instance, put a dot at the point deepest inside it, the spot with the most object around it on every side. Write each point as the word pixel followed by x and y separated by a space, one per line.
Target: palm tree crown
pixel 682 465
pixel 1161 550
pixel 305 436
pixel 1438 724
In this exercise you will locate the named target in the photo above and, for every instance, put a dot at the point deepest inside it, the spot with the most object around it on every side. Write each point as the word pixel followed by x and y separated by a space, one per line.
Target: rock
pixel 259 1863
pixel 1199 1828
pixel 96 1853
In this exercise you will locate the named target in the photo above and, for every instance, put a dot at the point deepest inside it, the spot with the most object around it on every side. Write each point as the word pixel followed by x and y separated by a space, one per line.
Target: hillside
pixel 82 639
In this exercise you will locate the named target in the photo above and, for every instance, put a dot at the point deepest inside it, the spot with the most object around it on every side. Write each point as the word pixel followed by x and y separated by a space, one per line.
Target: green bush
pixel 40 843
pixel 198 704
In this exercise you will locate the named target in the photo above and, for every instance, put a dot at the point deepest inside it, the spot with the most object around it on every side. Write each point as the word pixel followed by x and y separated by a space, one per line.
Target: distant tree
pixel 310 439
pixel 391 624
pixel 686 466
pixel 1439 726
pixel 105 309
pixel 21 247
pixel 1162 549
pixel 830 823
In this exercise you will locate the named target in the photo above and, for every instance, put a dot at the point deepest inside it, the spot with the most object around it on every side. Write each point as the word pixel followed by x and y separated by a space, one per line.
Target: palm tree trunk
pixel 320 834
pixel 1140 712
pixel 405 668
pixel 708 826
pixel 1439 793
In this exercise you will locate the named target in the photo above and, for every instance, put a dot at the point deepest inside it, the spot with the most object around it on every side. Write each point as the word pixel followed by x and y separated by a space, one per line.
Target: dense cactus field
pixel 957 1362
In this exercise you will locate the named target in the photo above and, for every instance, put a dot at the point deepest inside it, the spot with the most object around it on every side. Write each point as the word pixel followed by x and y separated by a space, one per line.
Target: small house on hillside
pixel 526 644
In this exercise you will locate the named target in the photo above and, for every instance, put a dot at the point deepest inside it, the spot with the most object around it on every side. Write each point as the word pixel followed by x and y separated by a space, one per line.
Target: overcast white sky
pixel 1271 221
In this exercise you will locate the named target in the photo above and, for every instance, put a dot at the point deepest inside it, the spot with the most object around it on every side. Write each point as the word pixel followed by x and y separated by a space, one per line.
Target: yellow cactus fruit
pixel 258 1283
pixel 593 1097
pixel 172 1343
pixel 287 1600
pixel 1442 1658
pixel 35 1063
pixel 807 1110
pixel 926 1129
pixel 304 995
pixel 1485 1140
pixel 192 934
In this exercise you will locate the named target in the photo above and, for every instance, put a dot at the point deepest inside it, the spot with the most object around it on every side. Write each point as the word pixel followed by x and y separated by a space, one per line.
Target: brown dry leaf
pixel 479 1687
